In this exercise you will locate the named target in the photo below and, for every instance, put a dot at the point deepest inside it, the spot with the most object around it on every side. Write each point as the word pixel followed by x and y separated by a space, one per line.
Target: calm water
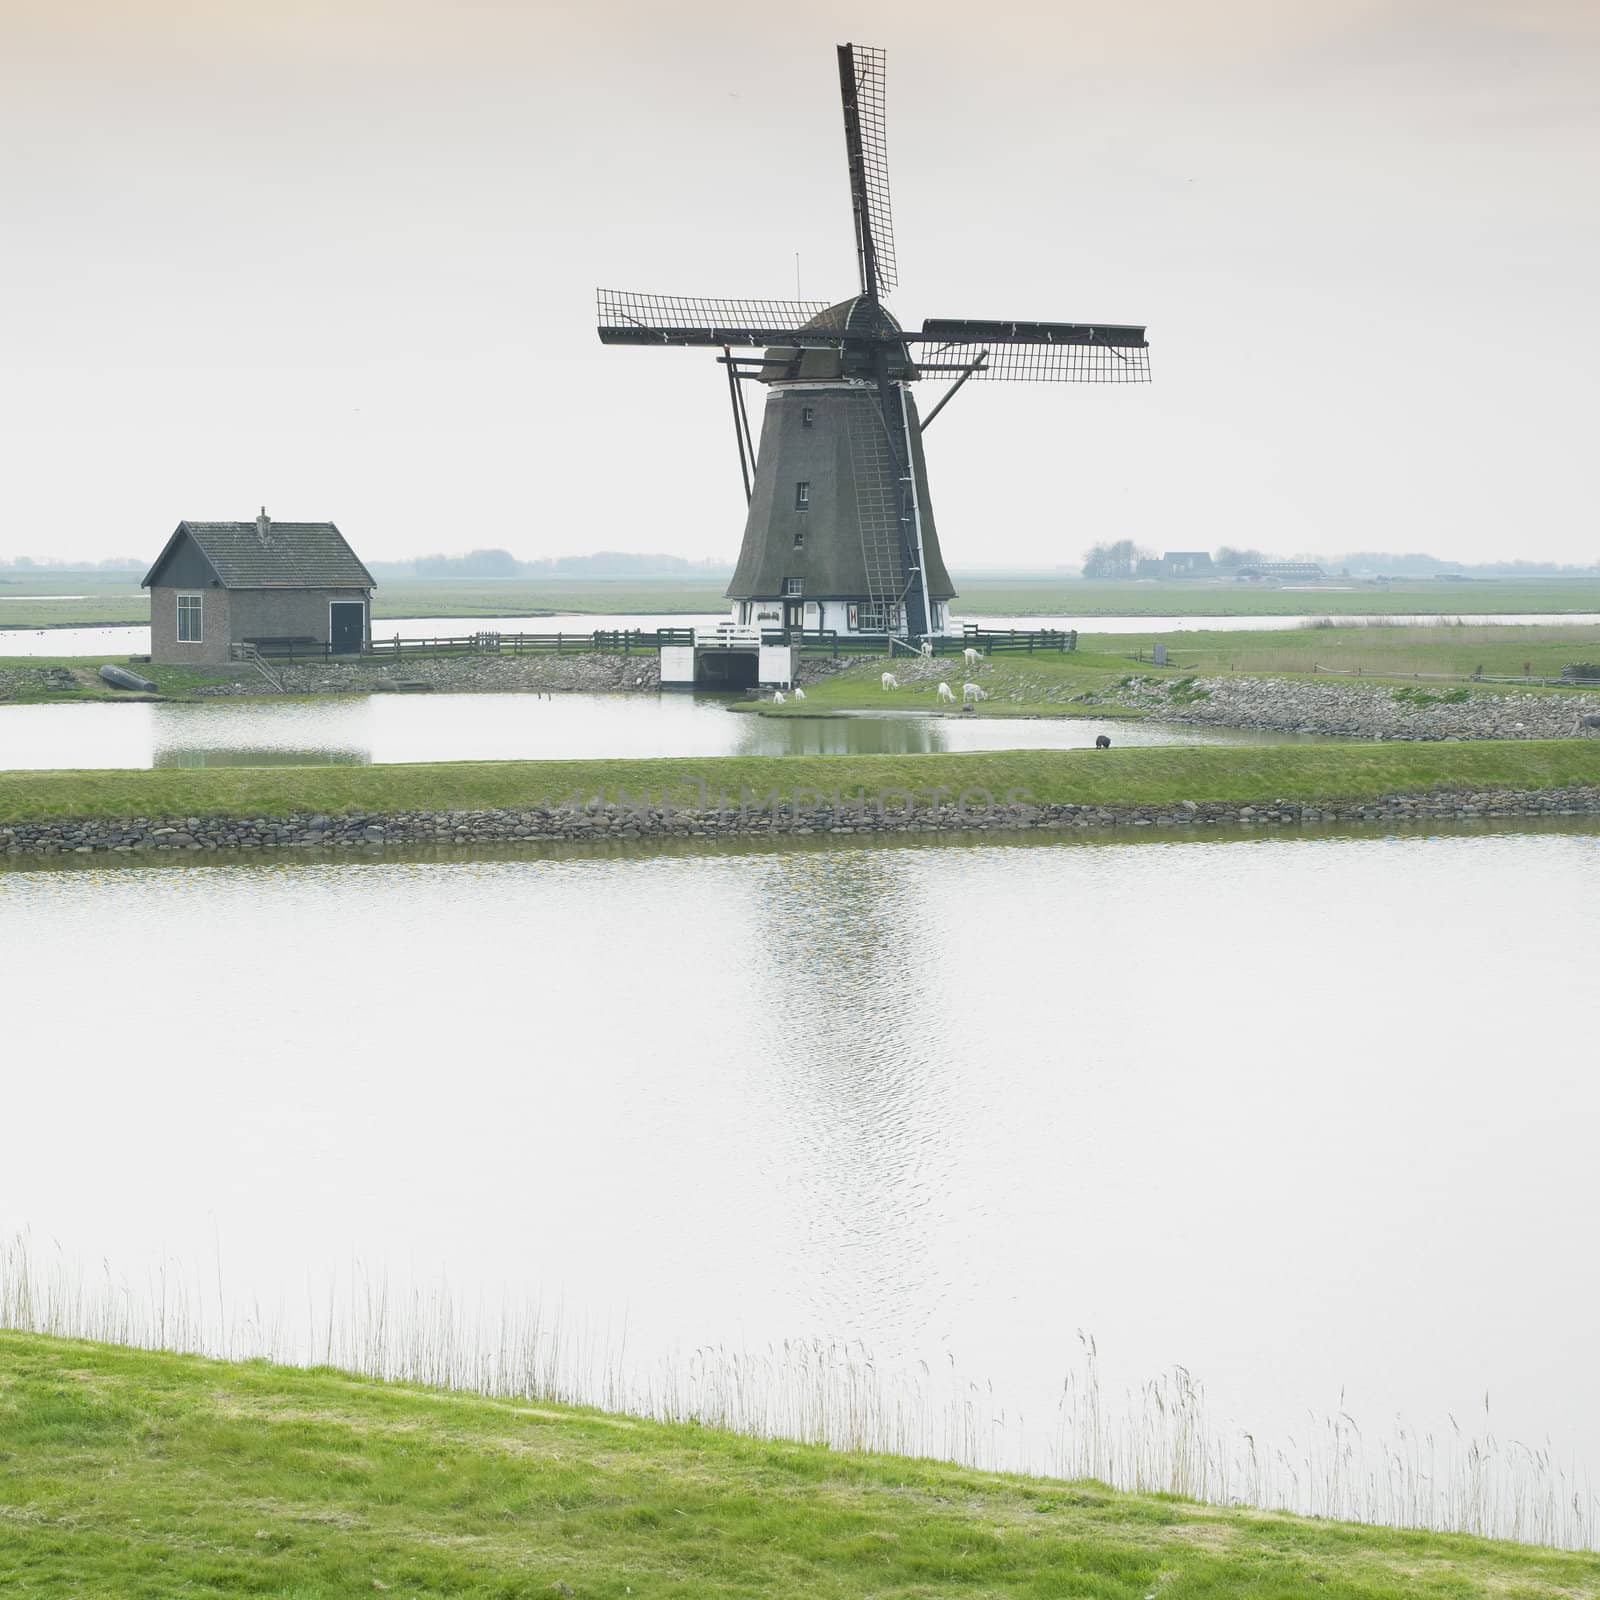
pixel 1311 1117
pixel 115 642
pixel 492 727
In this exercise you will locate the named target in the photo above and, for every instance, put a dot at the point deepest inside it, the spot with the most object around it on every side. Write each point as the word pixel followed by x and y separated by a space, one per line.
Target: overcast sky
pixel 340 258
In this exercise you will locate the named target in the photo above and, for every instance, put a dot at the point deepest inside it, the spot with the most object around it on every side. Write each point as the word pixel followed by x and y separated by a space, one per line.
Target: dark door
pixel 794 614
pixel 347 626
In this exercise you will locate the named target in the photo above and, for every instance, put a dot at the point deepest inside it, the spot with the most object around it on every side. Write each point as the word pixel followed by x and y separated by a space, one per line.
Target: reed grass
pixel 1161 1437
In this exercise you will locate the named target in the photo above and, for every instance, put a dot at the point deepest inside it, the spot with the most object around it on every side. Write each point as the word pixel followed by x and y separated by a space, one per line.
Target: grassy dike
pixel 128 1473
pixel 1155 775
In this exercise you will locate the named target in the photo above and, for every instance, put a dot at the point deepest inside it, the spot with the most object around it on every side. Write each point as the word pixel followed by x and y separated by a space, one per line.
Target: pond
pixel 347 730
pixel 116 643
pixel 1313 1117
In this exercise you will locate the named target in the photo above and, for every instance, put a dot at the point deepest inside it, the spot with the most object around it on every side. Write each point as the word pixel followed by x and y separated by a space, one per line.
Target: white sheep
pixel 890 681
pixel 970 691
pixel 927 647
pixel 971 656
pixel 777 697
pixel 945 692
pixel 799 694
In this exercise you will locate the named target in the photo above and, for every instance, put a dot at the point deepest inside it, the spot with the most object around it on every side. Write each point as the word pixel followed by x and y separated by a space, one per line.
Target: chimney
pixel 264 527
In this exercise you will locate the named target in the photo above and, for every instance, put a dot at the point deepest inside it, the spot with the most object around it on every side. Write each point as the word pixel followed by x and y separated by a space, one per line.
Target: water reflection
pixel 852 1057
pixel 1245 1105
pixel 503 727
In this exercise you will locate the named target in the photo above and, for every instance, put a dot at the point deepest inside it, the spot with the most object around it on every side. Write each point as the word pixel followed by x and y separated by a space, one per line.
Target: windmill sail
pixel 861 80
pixel 630 318
pixel 1047 352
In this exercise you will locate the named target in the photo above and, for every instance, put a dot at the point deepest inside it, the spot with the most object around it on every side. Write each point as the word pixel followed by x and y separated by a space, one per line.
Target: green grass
pixel 1052 684
pixel 1383 650
pixel 478 597
pixel 1158 775
pixel 1044 596
pixel 1048 682
pixel 172 682
pixel 152 1475
pixel 107 598
pixel 118 599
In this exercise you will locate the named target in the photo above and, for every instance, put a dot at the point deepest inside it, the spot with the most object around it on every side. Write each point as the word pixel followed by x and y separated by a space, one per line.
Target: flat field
pixel 1423 597
pixel 28 599
pixel 1153 775
pixel 1385 650
pixel 151 1475
pixel 117 598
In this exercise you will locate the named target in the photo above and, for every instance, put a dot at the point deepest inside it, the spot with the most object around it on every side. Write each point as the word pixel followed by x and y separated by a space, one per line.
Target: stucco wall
pixel 214 627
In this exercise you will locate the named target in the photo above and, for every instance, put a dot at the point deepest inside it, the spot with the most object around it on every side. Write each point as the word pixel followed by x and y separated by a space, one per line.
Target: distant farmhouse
pixel 263 583
pixel 1177 564
pixel 1283 571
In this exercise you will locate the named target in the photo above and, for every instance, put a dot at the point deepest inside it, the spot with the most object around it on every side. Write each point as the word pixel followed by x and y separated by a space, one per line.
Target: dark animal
pixel 1586 722
pixel 1102 741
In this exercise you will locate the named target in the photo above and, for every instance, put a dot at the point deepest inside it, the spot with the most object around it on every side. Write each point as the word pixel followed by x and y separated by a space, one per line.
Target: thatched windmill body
pixel 840 532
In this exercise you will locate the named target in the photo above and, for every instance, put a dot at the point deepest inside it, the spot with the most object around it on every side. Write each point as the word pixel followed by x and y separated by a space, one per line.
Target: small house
pixel 275 585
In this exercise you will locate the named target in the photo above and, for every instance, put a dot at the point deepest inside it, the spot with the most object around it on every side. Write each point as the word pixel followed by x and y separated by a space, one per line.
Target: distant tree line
pixel 1119 560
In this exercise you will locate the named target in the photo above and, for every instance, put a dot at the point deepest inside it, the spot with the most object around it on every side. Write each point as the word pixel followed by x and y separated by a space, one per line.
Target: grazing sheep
pixel 890 681
pixel 1102 741
pixel 971 656
pixel 777 697
pixel 970 691
pixel 799 694
pixel 945 692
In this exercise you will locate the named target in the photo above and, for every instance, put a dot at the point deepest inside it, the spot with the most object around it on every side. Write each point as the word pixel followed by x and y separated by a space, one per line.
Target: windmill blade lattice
pixel 871 120
pixel 630 318
pixel 1040 352
pixel 1040 363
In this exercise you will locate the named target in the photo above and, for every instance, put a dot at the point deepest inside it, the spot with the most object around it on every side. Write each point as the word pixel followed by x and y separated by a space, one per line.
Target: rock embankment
pixel 1354 710
pixel 144 836
pixel 19 679
pixel 483 674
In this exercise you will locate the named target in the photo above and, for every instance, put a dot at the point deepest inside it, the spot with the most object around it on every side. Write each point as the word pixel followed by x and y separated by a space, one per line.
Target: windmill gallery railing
pixel 830 642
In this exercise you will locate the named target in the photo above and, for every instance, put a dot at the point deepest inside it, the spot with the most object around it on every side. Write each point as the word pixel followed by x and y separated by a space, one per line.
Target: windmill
pixel 840 531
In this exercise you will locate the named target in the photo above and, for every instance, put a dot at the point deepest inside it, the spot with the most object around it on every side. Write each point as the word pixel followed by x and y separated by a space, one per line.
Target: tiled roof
pixel 295 555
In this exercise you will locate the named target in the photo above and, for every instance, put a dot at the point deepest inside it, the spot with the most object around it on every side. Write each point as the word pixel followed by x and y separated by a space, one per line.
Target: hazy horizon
pixel 340 259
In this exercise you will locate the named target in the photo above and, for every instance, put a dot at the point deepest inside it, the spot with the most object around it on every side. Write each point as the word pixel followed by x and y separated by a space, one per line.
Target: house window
pixel 793 588
pixel 808 415
pixel 875 617
pixel 800 537
pixel 189 619
pixel 802 497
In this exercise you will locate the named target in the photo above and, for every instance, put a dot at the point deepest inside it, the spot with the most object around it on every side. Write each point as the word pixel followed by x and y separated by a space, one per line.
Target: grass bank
pixel 143 1474
pixel 1382 650
pixel 1158 775
pixel 21 680
pixel 1051 683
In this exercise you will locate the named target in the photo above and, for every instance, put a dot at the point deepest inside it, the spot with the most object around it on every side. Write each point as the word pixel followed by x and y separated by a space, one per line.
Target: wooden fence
pixel 614 641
